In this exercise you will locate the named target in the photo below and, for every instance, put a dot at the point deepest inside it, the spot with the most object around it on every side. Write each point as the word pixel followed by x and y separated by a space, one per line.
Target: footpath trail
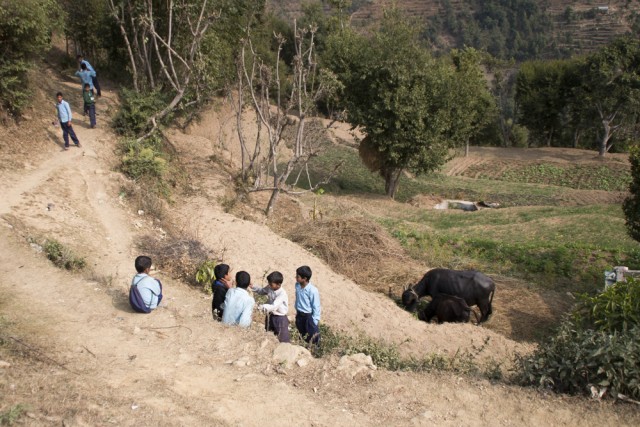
pixel 78 355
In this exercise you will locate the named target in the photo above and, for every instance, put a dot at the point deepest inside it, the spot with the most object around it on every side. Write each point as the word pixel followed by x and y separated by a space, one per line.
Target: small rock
pixel 36 246
pixel 136 330
pixel 50 206
pixel 4 364
pixel 134 406
pixel 302 362
pixel 140 212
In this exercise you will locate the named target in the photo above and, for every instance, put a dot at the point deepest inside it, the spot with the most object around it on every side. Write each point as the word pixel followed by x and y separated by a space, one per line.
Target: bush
pixel 598 345
pixel 135 111
pixel 615 309
pixel 142 158
pixel 631 205
pixel 62 256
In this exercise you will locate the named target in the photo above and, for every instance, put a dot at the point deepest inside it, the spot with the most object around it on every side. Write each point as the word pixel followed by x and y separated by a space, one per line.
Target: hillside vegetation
pixel 558 28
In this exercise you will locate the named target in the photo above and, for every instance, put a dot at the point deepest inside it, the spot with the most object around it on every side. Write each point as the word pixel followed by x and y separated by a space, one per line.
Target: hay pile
pixel 361 250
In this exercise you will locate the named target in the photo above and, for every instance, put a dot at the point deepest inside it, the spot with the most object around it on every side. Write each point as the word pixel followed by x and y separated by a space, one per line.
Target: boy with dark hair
pixel 64 118
pixel 277 306
pixel 307 306
pixel 89 105
pixel 219 288
pixel 238 304
pixel 94 76
pixel 149 288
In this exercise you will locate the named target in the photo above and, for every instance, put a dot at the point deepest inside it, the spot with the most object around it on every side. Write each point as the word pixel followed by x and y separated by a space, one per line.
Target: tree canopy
pixel 410 105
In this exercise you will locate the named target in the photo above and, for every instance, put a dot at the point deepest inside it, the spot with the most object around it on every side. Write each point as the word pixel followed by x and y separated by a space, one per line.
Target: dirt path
pixel 79 356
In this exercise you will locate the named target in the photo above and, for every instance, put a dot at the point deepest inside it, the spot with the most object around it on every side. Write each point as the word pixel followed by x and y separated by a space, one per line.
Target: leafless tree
pixel 283 118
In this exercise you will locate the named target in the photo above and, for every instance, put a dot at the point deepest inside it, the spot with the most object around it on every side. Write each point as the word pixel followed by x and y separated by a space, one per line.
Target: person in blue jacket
pixel 94 77
pixel 86 77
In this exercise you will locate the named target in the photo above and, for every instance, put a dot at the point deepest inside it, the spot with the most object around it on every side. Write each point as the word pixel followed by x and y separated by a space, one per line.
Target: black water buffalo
pixel 446 308
pixel 472 286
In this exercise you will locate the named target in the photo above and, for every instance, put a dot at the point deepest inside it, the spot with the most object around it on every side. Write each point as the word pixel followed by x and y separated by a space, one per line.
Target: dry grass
pixel 180 257
pixel 361 250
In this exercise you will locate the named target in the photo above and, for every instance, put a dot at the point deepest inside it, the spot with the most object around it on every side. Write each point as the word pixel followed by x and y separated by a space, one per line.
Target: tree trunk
pixel 272 201
pixel 466 149
pixel 391 181
pixel 602 146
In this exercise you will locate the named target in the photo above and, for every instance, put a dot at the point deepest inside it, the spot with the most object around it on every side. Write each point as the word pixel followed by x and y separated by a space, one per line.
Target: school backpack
pixel 136 301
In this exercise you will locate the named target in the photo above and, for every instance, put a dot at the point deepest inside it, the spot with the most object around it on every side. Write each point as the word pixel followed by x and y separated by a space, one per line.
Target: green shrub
pixel 598 345
pixel 617 308
pixel 205 275
pixel 142 158
pixel 62 256
pixel 631 205
pixel 135 111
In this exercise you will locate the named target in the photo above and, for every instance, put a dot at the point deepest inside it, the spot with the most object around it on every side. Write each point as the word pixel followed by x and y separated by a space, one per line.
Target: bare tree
pixel 282 118
pixel 154 49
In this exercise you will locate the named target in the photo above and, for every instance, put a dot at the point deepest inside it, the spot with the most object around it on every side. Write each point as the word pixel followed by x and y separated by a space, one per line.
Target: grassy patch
pixel 354 178
pixel 568 247
pixel 387 356
pixel 61 256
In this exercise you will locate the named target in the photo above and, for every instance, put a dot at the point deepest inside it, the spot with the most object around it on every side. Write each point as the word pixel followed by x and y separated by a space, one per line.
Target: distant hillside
pixel 575 26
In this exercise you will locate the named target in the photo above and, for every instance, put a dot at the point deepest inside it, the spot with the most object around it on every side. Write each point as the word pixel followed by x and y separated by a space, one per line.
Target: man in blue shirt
pixel 64 118
pixel 86 76
pixel 307 306
pixel 94 77
pixel 238 304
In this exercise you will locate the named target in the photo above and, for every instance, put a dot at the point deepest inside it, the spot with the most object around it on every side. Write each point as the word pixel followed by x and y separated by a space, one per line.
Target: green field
pixel 532 237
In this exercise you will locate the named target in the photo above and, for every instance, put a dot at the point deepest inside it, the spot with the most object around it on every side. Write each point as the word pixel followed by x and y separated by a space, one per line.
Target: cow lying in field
pixel 446 308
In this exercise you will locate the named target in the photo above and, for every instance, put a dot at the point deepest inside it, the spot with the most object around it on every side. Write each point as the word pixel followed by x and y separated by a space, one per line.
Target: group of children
pixel 90 83
pixel 234 305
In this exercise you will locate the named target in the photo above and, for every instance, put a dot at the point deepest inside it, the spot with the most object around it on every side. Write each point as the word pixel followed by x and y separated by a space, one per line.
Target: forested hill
pixel 520 29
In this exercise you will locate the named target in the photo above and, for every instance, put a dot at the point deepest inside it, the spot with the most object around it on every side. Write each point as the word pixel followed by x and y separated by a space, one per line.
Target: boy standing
pixel 277 306
pixel 149 288
pixel 94 76
pixel 89 104
pixel 307 306
pixel 238 304
pixel 219 288
pixel 64 118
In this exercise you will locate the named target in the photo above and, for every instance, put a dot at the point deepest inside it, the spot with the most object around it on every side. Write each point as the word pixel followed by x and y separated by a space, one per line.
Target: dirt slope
pixel 78 355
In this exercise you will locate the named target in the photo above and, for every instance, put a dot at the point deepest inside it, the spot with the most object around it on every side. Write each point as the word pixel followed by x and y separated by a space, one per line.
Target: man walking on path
pixel 64 118
pixel 94 76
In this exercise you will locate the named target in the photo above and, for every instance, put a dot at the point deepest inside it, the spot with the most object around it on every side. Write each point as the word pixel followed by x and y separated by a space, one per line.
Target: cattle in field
pixel 473 287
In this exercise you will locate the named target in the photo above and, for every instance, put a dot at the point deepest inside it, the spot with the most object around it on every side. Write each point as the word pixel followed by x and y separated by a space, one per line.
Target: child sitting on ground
pixel 277 306
pixel 149 289
pixel 238 304
pixel 219 288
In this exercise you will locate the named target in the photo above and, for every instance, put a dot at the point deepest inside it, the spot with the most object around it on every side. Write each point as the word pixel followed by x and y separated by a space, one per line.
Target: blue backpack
pixel 136 301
